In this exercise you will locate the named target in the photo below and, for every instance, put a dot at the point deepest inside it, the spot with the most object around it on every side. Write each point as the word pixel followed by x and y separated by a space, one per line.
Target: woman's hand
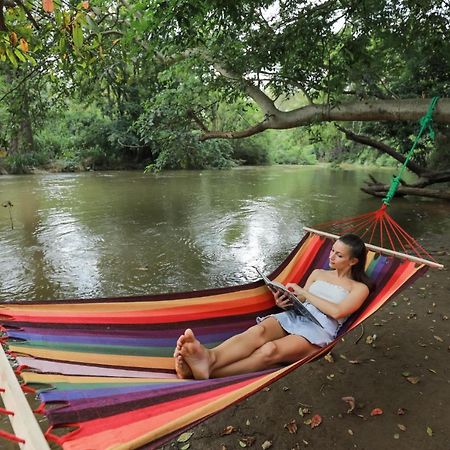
pixel 282 300
pixel 299 291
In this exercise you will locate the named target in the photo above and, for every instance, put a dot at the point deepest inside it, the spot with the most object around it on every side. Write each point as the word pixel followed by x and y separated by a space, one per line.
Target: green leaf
pixel 20 55
pixel 58 18
pixel 77 34
pixel 30 59
pixel 92 24
pixel 12 58
pixel 184 437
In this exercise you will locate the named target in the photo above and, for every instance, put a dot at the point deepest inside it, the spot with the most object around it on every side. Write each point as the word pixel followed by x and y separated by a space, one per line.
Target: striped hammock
pixel 103 368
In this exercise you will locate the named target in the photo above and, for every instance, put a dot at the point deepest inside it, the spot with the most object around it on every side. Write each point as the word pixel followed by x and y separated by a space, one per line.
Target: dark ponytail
pixel 358 251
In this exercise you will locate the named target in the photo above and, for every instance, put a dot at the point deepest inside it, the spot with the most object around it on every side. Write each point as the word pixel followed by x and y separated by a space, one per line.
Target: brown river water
pixel 103 234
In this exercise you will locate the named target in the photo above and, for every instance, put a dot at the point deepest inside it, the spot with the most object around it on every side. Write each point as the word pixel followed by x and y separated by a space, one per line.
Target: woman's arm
pixel 335 310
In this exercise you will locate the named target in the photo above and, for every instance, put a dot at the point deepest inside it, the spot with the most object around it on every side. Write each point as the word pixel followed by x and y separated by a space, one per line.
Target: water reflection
pixel 70 253
pixel 125 233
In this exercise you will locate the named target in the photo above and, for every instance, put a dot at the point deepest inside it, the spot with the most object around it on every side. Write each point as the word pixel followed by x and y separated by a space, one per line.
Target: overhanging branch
pixel 366 140
pixel 364 111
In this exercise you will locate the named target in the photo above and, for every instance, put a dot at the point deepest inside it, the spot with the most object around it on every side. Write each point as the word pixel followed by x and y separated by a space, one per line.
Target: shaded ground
pixel 404 372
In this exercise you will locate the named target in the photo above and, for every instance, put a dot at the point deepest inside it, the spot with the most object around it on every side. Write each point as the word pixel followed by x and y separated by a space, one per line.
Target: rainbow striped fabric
pixel 104 368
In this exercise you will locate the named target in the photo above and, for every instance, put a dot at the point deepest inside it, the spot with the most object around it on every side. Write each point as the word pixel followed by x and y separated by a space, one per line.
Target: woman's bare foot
pixel 195 355
pixel 182 369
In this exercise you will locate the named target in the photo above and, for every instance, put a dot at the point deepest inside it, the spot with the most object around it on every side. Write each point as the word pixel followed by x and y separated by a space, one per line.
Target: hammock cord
pixel 425 122
pixel 378 227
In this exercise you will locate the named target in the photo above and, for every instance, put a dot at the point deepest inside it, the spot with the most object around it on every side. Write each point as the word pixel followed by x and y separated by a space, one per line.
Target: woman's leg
pixel 287 349
pixel 202 360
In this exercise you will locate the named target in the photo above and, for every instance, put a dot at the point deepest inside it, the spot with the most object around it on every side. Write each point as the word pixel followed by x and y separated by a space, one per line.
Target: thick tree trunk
pixel 22 138
pixel 22 141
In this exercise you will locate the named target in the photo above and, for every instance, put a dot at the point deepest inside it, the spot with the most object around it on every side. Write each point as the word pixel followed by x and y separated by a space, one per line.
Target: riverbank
pixel 395 367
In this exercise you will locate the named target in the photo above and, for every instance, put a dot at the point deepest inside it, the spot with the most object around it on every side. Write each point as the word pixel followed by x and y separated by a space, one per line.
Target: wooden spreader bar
pixel 381 250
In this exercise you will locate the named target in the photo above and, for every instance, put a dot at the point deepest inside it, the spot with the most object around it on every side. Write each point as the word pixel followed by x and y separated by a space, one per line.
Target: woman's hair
pixel 358 251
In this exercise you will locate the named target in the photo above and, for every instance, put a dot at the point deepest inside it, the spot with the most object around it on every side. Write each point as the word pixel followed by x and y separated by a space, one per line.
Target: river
pixel 103 234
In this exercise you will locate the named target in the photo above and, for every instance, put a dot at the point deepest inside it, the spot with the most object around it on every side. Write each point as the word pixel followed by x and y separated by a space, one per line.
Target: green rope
pixel 425 123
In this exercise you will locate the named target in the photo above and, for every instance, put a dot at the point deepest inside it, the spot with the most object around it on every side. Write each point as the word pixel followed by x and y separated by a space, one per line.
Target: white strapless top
pixel 328 291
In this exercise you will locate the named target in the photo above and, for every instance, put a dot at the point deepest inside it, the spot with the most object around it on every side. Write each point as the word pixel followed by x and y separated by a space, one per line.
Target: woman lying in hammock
pixel 330 295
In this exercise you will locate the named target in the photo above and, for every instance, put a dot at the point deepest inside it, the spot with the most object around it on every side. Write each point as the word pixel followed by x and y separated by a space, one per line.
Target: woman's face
pixel 341 257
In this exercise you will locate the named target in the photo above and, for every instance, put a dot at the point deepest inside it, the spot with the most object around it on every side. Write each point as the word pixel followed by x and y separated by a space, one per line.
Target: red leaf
pixel 316 421
pixel 23 45
pixel 13 38
pixel 48 6
pixel 376 412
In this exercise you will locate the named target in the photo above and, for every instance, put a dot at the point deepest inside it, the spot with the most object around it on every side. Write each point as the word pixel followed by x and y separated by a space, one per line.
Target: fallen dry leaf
pixel 413 380
pixel 376 412
pixel 401 427
pixel 329 358
pixel 247 441
pixel 302 411
pixel 291 426
pixel 438 338
pixel 228 430
pixel 351 403
pixel 316 421
pixel 266 444
pixel 429 431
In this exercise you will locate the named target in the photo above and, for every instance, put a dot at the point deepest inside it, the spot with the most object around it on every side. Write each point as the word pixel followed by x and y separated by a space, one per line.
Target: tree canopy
pixel 340 60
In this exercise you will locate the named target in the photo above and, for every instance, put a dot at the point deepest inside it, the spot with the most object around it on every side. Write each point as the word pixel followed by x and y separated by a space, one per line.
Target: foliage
pixel 23 163
pixel 160 71
pixel 80 136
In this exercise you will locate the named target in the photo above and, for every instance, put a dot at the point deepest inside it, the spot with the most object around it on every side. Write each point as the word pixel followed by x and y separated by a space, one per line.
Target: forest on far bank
pixel 82 137
pixel 210 84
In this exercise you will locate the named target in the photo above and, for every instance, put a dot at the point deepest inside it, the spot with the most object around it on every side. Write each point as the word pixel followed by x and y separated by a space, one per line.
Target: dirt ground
pixel 396 364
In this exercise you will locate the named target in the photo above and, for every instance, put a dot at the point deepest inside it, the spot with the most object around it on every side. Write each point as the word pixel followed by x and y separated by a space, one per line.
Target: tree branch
pixel 191 114
pixel 3 26
pixel 20 82
pixel 364 111
pixel 381 191
pixel 28 13
pixel 366 140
